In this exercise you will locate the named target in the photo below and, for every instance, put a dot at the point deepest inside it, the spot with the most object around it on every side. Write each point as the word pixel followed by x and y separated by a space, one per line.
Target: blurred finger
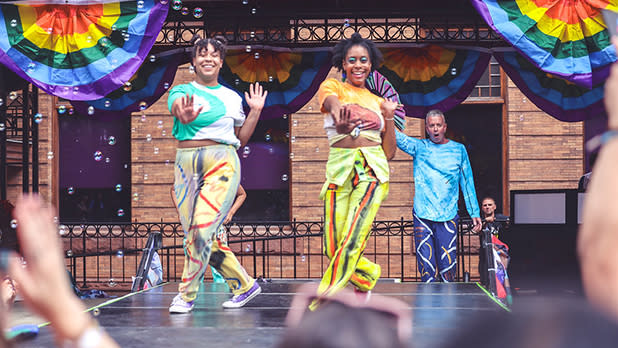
pixel 20 275
pixel 35 224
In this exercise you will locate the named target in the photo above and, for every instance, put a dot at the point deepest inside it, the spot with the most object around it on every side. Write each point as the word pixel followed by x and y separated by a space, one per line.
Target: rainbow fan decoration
pixel 291 77
pixel 79 52
pixel 433 77
pixel 147 85
pixel 564 38
pixel 558 97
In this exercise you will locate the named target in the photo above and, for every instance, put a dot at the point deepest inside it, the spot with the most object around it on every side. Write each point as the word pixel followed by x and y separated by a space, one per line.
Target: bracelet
pixel 389 119
pixel 355 132
pixel 608 135
pixel 599 140
pixel 90 338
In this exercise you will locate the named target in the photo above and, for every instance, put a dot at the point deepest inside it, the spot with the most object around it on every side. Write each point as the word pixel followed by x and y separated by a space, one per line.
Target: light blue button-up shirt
pixel 439 171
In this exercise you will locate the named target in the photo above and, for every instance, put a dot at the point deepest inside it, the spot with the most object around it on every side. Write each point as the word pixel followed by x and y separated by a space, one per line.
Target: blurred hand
pixel 43 281
pixel 44 277
pixel 344 123
pixel 185 111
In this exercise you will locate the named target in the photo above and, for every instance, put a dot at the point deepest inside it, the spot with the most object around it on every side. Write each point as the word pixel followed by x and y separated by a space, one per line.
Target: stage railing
pixel 107 256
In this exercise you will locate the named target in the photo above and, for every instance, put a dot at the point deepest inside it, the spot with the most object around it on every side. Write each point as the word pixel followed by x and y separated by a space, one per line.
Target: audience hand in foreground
pixel 44 284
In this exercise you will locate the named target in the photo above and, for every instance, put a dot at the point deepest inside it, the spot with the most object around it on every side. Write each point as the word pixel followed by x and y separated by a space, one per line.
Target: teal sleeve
pixel 466 180
pixel 175 93
pixel 406 144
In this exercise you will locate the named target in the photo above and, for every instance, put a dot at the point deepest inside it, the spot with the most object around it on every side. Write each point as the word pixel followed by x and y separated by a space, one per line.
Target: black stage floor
pixel 142 319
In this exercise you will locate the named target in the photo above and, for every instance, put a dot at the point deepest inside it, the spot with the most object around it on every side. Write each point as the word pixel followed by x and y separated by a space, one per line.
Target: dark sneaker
pixel 180 306
pixel 241 299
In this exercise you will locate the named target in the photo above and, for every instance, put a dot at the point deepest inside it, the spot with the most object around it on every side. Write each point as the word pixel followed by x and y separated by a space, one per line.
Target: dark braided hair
pixel 219 43
pixel 341 49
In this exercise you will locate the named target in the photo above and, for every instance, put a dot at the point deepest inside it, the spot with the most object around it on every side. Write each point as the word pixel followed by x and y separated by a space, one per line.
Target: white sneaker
pixel 180 306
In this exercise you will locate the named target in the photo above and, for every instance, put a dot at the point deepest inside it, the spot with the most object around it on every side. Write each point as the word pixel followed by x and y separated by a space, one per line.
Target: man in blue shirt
pixel 441 166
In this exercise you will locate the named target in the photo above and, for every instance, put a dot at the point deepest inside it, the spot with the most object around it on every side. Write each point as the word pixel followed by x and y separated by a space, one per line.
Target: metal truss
pixel 303 32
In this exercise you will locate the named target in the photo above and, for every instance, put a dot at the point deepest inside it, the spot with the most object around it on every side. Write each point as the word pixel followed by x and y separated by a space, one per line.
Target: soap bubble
pixel 198 12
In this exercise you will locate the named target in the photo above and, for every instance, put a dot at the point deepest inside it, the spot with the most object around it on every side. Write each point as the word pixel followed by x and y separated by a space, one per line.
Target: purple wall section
pixel 80 138
pixel 593 127
pixel 264 167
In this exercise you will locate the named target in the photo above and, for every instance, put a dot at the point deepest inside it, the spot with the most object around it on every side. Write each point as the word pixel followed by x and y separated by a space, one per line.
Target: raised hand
pixel 344 124
pixel 388 108
pixel 256 96
pixel 185 111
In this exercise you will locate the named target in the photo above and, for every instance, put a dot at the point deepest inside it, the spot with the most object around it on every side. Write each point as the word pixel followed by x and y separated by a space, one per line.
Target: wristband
pixel 355 132
pixel 90 338
pixel 608 135
pixel 599 140
pixel 389 119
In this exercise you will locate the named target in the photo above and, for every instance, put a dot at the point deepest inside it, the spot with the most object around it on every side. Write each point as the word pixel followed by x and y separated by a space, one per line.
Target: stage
pixel 142 319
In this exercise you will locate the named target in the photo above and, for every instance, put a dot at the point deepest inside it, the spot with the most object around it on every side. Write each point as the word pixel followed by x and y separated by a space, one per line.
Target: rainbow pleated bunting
pixel 291 77
pixel 558 97
pixel 565 38
pixel 431 76
pixel 79 50
pixel 147 85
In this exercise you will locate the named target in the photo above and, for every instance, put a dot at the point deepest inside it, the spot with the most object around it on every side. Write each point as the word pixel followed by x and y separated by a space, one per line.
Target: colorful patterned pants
pixel 205 183
pixel 349 211
pixel 436 240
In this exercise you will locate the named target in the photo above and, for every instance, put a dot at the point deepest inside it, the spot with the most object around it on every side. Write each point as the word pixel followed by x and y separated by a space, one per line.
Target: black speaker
pixel 542 241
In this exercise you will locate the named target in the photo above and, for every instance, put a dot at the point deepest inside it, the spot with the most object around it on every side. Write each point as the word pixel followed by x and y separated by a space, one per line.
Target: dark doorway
pixel 265 173
pixel 95 169
pixel 479 128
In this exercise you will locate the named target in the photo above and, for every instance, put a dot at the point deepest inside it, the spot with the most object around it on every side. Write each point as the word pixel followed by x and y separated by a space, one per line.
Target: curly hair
pixel 341 49
pixel 219 43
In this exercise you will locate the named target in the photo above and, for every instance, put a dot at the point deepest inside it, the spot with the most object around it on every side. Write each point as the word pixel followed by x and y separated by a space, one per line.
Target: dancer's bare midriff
pixel 196 143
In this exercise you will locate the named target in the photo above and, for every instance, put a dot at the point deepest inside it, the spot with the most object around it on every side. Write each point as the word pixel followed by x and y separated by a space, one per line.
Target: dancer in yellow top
pixel 361 134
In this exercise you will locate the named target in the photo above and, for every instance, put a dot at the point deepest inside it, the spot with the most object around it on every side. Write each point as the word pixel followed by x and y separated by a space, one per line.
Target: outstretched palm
pixel 186 112
pixel 344 123
pixel 256 96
